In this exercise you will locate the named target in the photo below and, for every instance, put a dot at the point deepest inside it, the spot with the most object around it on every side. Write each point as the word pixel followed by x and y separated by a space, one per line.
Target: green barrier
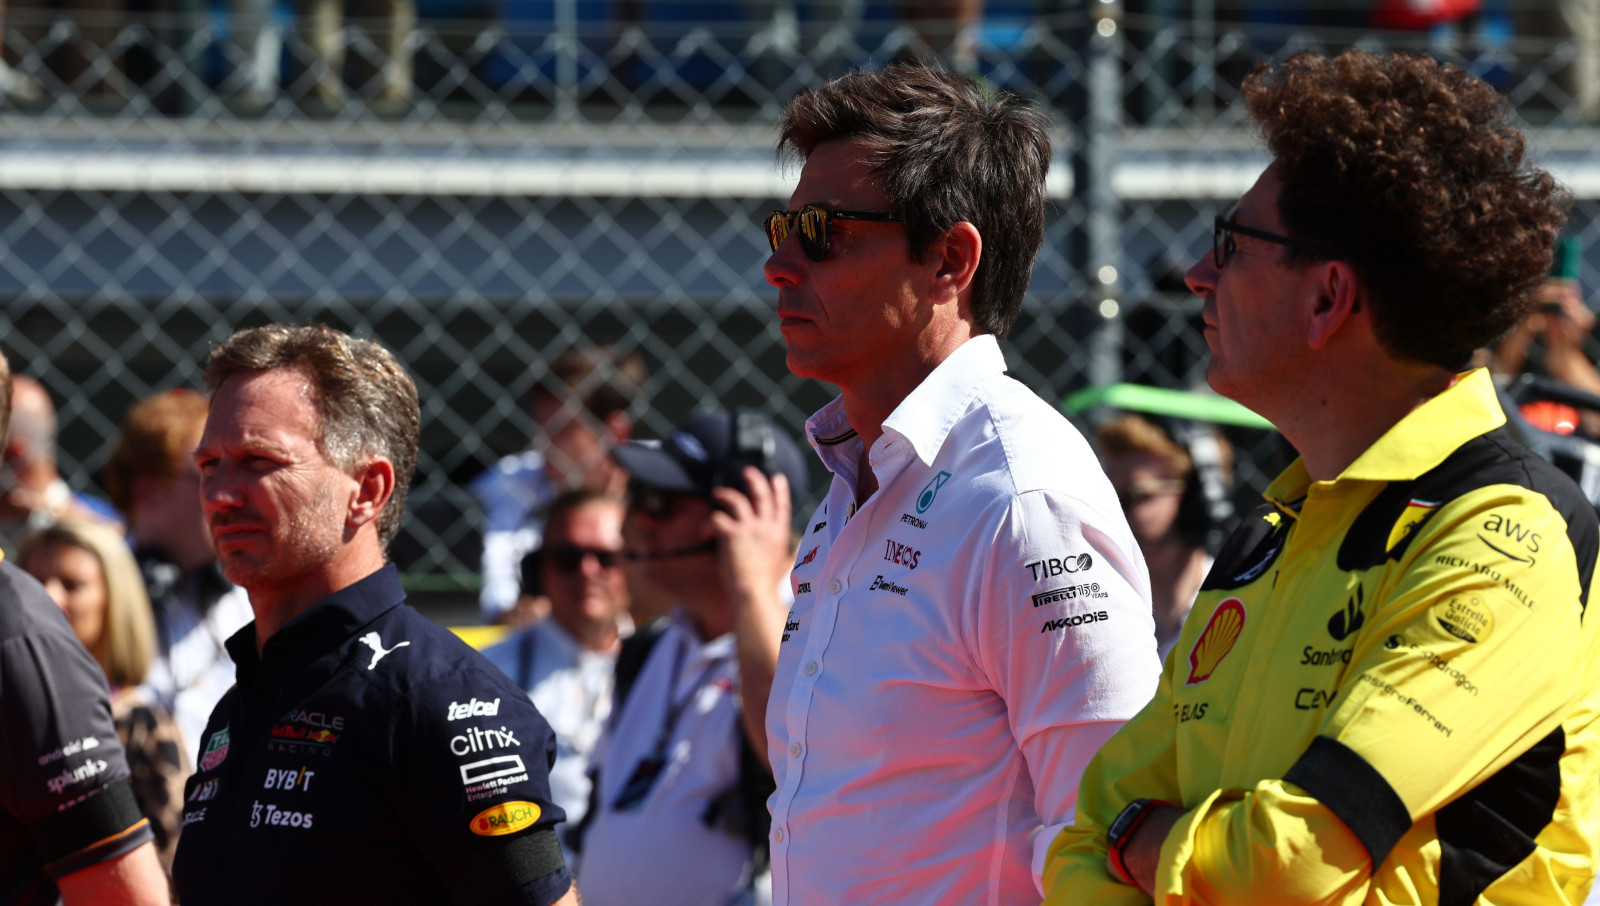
pixel 1205 407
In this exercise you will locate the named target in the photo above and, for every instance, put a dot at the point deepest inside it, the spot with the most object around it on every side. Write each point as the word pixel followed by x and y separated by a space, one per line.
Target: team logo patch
pixel 1469 620
pixel 1216 640
pixel 1416 513
pixel 930 491
pixel 1346 621
pixel 809 557
pixel 216 750
pixel 371 640
pixel 505 818
pixel 204 791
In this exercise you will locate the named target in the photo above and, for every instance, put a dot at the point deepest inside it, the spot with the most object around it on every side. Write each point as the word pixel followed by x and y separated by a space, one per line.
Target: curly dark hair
pixel 947 151
pixel 366 400
pixel 1415 173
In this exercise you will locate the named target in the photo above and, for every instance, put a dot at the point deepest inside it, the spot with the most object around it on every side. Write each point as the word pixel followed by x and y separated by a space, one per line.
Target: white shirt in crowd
pixel 571 686
pixel 661 852
pixel 513 493
pixel 957 651
pixel 192 668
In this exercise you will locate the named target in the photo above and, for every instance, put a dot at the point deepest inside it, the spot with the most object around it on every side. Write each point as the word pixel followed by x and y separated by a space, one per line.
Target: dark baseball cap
pixel 711 450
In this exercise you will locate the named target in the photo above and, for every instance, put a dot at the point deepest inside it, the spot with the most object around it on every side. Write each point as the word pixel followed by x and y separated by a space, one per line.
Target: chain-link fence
pixel 482 186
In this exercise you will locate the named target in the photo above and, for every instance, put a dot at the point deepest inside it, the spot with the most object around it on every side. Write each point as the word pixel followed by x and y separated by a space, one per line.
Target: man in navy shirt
pixel 365 753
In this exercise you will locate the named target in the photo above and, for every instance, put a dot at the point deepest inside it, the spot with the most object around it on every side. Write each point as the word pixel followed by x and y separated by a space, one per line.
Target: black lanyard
pixel 649 768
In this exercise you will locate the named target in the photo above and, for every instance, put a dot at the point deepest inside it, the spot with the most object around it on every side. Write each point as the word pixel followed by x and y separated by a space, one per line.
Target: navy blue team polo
pixel 369 755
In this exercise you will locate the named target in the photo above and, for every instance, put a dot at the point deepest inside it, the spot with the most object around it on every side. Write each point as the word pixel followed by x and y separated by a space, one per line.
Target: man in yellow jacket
pixel 1387 689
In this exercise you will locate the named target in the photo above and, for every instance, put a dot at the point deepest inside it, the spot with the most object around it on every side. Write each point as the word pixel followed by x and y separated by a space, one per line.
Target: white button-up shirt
pixel 662 851
pixel 958 648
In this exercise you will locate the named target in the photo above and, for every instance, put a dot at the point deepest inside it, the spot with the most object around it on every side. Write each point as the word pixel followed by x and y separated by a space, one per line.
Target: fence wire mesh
pixel 481 186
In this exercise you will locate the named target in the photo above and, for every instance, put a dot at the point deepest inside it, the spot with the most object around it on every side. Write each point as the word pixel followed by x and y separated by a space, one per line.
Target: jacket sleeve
pixel 1465 662
pixel 1138 762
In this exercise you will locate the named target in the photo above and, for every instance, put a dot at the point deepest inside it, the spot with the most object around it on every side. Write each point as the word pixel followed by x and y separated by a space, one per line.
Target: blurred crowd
pixel 329 56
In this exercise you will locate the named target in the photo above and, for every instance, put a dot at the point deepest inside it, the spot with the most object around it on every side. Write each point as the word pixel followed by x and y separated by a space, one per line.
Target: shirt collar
pixel 926 415
pixel 327 623
pixel 702 649
pixel 1415 444
pixel 924 418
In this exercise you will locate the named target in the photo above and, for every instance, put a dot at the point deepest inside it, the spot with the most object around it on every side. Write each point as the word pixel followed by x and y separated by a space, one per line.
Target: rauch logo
pixel 505 818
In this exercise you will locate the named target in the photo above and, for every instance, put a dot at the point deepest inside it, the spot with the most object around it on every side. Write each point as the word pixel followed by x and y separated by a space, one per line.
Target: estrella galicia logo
pixel 930 491
pixel 1345 622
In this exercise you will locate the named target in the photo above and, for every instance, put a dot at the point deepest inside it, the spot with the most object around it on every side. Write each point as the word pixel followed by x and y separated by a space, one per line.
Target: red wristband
pixel 1123 827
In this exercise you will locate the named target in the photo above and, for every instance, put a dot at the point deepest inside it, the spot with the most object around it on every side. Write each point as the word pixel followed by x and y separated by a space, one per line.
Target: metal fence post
pixel 1096 111
pixel 566 13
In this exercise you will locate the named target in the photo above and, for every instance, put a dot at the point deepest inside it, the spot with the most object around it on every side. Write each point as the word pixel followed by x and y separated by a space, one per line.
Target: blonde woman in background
pixel 90 573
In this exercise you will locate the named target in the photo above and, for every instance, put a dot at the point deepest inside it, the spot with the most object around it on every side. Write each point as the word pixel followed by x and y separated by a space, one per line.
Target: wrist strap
pixel 1132 817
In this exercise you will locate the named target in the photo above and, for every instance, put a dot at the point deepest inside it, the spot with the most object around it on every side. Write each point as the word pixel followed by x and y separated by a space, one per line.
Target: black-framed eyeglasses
pixel 813 220
pixel 1223 247
pixel 569 557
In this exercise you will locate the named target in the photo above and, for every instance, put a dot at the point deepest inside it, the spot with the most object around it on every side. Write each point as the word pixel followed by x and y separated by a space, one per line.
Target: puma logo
pixel 372 641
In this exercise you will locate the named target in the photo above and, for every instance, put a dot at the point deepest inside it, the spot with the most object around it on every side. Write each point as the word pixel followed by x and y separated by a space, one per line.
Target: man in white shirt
pixel 568 662
pixel 972 615
pixel 679 817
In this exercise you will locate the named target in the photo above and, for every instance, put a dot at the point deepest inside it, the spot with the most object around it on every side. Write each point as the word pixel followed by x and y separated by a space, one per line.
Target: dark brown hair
pixel 1414 172
pixel 156 439
pixel 946 150
pixel 602 378
pixel 366 402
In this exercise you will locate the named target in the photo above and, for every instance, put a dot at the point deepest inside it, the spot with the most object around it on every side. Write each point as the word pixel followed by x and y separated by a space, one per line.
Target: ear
pixel 958 253
pixel 619 427
pixel 374 487
pixel 1340 296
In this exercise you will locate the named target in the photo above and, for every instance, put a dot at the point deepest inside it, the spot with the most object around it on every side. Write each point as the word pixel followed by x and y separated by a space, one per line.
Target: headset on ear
pixel 1206 507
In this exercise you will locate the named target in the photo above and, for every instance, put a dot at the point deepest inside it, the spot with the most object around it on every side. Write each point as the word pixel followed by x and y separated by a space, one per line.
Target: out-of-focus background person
pixel 568 661
pixel 90 573
pixel 580 410
pixel 152 480
pixel 679 815
pixel 32 491
pixel 1161 484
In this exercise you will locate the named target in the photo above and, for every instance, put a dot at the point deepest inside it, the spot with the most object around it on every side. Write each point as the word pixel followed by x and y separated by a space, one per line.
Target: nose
pixel 783 265
pixel 1202 277
pixel 589 567
pixel 217 493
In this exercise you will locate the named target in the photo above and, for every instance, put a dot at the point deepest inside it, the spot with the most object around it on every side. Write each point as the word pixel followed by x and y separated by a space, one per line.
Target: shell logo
pixel 1216 640
pixel 505 818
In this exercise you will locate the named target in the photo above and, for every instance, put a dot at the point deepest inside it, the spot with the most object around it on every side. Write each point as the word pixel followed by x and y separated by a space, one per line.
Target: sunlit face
pixel 686 525
pixel 1255 330
pixel 583 591
pixel 77 583
pixel 167 512
pixel 275 505
pixel 842 317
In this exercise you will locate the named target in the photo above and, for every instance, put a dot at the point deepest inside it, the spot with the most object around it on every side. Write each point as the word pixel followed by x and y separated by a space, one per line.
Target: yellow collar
pixel 1414 444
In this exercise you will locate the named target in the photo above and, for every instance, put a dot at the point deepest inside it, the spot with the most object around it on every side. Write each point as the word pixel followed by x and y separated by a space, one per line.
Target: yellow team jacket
pixel 1386 691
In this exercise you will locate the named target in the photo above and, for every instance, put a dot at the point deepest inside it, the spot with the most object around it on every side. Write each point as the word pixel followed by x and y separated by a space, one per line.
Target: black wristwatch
pixel 1121 831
